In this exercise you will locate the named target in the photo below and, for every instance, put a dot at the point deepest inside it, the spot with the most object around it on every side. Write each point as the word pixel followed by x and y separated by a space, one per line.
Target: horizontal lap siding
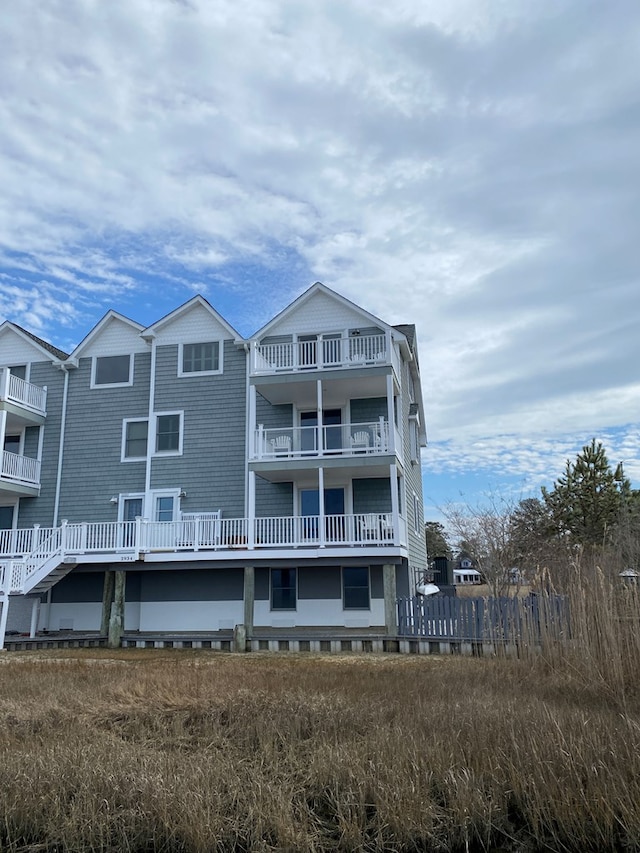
pixel 367 410
pixel 212 466
pixel 182 585
pixel 92 471
pixel 273 499
pixel 40 510
pixel 413 483
pixel 193 585
pixel 372 495
pixel 273 417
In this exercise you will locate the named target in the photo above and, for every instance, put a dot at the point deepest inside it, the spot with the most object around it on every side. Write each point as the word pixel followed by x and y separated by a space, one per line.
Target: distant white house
pixel 466 575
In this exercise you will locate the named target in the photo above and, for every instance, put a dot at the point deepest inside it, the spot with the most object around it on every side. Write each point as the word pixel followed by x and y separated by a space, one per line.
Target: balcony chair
pixel 360 441
pixel 281 445
pixel 370 527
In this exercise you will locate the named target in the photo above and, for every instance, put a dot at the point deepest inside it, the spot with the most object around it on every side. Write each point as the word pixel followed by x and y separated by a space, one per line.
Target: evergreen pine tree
pixel 587 501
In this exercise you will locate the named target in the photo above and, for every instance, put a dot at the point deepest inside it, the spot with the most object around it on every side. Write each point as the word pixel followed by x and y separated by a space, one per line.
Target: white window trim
pixel 125 496
pixel 94 361
pixel 183 373
pixel 27 369
pixel 154 430
pixel 164 493
pixel 14 505
pixel 123 448
pixel 20 435
pixel 308 486
pixel 416 514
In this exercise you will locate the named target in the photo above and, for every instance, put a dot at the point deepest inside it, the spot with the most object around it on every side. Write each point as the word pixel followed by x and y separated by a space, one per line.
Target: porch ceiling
pixel 336 471
pixel 337 386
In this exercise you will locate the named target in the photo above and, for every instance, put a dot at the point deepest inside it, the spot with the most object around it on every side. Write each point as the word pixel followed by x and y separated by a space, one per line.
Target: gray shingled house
pixel 271 482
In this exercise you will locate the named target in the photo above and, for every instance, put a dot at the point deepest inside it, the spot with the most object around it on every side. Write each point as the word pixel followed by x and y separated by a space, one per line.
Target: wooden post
pixel 107 598
pixel 116 622
pixel 249 599
pixel 389 586
pixel 35 611
pixel 3 619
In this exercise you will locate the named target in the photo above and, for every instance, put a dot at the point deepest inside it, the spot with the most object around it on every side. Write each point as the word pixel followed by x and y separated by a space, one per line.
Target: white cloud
pixel 467 166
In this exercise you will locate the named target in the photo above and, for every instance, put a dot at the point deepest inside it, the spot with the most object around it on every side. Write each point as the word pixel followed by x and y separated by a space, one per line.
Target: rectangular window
pixel 416 514
pixel 169 433
pixel 164 508
pixel 355 588
pixel 283 589
pixel 200 358
pixel 111 370
pixel 134 439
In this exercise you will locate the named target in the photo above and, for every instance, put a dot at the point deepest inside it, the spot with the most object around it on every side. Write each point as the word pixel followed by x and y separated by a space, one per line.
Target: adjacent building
pixel 268 482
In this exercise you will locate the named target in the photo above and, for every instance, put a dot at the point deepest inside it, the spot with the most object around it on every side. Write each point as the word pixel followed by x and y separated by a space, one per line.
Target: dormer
pixel 199 333
pixel 322 330
pixel 111 345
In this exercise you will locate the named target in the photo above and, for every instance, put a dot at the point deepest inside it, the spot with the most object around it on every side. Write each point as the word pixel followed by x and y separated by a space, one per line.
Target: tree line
pixel 591 510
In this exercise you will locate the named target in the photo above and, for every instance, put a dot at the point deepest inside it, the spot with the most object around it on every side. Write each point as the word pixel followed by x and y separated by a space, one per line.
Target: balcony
pixel 329 352
pixel 22 394
pixel 327 441
pixel 29 556
pixel 20 473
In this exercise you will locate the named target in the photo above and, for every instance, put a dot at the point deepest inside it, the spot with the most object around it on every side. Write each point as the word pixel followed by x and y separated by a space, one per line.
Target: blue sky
pixel 469 166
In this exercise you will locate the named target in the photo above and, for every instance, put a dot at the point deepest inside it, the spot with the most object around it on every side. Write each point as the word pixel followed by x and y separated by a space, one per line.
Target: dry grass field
pixel 142 750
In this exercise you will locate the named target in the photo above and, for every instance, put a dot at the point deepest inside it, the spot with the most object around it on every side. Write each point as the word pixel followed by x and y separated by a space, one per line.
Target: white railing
pixel 320 353
pixel 335 440
pixel 22 469
pixel 29 555
pixel 295 531
pixel 16 542
pixel 23 393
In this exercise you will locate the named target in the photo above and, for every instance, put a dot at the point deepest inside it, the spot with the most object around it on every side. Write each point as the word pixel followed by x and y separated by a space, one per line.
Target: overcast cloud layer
pixel 469 166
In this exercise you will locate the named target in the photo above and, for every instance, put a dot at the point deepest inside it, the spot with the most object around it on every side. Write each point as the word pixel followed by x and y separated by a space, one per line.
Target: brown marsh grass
pixel 199 751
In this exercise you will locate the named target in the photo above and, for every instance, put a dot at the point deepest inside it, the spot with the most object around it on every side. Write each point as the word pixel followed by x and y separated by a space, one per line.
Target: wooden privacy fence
pixel 490 620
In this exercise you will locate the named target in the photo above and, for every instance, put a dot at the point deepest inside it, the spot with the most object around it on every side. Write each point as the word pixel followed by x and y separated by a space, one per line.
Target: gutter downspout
pixel 63 426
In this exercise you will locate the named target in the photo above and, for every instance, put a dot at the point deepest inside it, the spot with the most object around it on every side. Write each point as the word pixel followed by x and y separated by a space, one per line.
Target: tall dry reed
pixel 188 751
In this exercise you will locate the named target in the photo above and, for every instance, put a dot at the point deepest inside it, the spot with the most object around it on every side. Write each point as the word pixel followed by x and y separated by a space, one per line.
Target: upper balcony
pixel 332 441
pixel 25 398
pixel 322 352
pixel 19 474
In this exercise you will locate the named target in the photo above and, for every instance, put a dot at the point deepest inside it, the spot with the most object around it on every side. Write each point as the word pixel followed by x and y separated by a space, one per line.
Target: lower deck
pixel 210 598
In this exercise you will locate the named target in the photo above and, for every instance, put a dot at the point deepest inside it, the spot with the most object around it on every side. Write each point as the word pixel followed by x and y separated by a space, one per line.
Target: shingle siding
pixel 212 465
pixel 368 410
pixel 92 471
pixel 273 499
pixel 372 495
pixel 40 510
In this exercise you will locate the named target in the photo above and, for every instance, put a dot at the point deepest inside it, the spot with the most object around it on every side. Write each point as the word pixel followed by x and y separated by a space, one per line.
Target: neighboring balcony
pixel 22 394
pixel 327 441
pixel 19 474
pixel 321 353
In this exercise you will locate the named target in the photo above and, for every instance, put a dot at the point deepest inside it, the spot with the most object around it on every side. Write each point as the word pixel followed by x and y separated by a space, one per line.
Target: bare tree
pixel 485 532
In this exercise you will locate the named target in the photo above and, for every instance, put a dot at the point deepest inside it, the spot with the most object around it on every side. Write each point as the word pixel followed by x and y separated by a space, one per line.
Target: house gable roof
pixel 28 344
pixel 114 334
pixel 183 320
pixel 327 303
